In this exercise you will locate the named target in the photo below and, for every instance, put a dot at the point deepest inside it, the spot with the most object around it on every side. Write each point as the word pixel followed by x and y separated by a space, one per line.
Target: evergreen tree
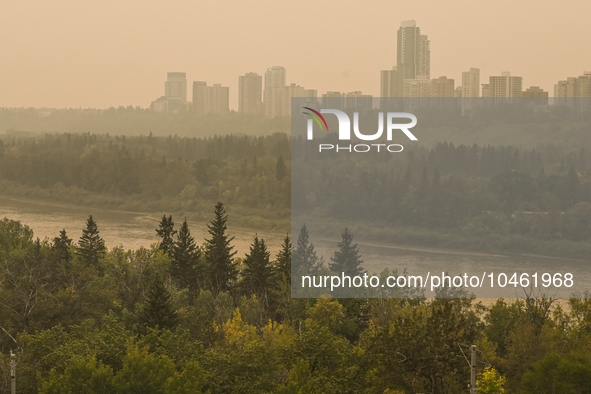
pixel 158 310
pixel 91 247
pixel 280 301
pixel 283 260
pixel 280 168
pixel 257 269
pixel 61 246
pixel 304 259
pixel 166 231
pixel 347 258
pixel 185 260
pixel 218 253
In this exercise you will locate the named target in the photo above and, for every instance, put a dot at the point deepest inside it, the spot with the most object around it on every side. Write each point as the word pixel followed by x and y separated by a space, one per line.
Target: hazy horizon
pixel 71 54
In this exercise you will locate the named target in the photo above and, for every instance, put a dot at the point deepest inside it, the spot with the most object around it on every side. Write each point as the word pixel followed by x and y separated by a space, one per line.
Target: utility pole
pixel 12 373
pixel 473 387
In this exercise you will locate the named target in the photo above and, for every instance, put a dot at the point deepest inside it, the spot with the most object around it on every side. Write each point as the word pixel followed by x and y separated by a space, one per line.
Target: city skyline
pixel 409 78
pixel 69 54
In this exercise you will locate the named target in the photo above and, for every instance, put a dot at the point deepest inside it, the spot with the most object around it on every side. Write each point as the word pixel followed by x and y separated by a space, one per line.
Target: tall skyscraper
pixel 250 93
pixel 176 86
pixel 413 58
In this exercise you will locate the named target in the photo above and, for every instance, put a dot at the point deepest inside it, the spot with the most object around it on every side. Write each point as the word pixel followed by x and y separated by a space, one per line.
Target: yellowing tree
pixel 491 382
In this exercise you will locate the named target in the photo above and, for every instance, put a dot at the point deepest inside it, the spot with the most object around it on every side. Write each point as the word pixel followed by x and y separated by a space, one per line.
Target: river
pixel 132 230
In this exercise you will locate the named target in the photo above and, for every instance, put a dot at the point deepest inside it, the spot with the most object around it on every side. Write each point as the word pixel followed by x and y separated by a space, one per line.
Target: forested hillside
pixel 154 174
pixel 501 198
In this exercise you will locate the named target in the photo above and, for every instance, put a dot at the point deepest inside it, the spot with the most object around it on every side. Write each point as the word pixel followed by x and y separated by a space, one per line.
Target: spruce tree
pixel 185 261
pixel 304 259
pixel 280 301
pixel 347 258
pixel 61 246
pixel 91 247
pixel 157 310
pixel 221 271
pixel 166 231
pixel 283 260
pixel 257 269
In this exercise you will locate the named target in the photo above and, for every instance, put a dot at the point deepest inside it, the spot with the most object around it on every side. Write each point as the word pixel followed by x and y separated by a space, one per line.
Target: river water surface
pixel 132 230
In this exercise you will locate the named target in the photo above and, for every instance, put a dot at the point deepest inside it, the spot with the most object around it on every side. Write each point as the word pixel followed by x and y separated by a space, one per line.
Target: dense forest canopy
pixel 81 318
pixel 491 192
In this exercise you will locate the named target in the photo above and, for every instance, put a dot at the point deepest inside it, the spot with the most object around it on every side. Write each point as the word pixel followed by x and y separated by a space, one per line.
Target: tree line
pixel 180 317
pixel 538 194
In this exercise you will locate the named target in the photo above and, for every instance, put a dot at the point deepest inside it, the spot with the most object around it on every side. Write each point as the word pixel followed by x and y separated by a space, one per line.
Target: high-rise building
pixel 485 90
pixel 250 93
pixel 416 93
pixel 278 98
pixel 334 100
pixel 575 92
pixel 358 101
pixel 275 76
pixel 471 83
pixel 176 86
pixel 470 89
pixel 388 88
pixel 199 97
pixel 388 83
pixel 210 99
pixel 274 94
pixel 442 87
pixel 503 89
pixel 443 92
pixel 413 58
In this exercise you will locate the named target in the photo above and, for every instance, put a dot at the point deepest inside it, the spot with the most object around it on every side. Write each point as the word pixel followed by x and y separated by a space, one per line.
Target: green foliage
pixel 220 269
pixel 490 382
pixel 256 272
pixel 304 259
pixel 61 246
pixel 129 173
pixel 143 372
pixel 191 380
pixel 91 247
pixel 283 259
pixel 186 256
pixel 166 231
pixel 80 377
pixel 347 259
pixel 280 168
pixel 158 310
pixel 559 374
pixel 73 328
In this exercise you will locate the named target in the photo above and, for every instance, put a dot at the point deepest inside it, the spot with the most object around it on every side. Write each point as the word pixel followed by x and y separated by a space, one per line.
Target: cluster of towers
pixel 409 78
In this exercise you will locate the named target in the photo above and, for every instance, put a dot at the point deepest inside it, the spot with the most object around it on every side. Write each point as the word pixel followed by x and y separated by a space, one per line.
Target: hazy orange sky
pixel 72 53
